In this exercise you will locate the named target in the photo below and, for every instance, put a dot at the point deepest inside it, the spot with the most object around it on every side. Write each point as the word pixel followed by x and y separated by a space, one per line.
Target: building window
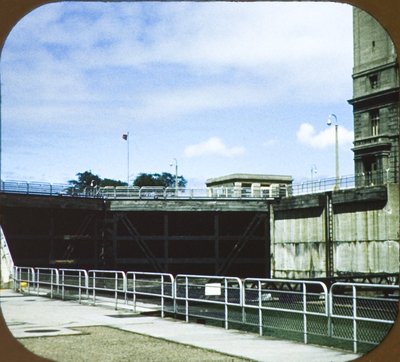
pixel 374 119
pixel 373 81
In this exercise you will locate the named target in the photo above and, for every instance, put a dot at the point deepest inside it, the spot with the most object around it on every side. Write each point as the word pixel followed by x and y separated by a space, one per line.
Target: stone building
pixel 375 102
pixel 245 184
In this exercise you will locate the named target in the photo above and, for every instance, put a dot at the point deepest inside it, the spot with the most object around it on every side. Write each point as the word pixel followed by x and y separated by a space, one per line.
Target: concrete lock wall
pixel 367 241
pixel 362 232
pixel 298 230
pixel 299 249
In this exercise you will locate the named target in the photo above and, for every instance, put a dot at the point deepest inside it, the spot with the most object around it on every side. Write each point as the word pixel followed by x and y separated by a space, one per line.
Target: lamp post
pixel 329 122
pixel 176 175
pixel 313 171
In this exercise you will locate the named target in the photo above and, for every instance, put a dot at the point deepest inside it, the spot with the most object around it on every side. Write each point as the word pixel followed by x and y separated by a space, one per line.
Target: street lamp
pixel 176 175
pixel 313 171
pixel 329 122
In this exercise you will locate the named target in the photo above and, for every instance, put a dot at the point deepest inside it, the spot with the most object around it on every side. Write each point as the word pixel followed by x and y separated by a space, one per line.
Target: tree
pixel 155 179
pixel 110 182
pixel 88 179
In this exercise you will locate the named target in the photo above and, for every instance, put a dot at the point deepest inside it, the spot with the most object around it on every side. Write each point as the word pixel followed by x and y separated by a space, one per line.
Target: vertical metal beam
pixel 267 267
pixel 216 242
pixel 114 238
pixel 271 259
pixel 51 234
pixel 328 236
pixel 166 242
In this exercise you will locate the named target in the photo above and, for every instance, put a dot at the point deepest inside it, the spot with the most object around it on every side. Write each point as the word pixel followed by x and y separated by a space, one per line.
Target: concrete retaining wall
pixel 366 241
pixel 363 233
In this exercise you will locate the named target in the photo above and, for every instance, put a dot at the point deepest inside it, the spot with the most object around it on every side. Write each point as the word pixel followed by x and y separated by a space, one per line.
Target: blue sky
pixel 221 87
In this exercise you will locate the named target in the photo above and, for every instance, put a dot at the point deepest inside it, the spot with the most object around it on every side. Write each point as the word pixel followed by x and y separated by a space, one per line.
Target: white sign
pixel 213 289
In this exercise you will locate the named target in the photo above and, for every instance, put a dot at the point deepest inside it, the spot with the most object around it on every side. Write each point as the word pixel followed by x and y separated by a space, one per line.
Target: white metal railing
pixel 357 303
pixel 36 188
pixel 24 278
pixel 308 298
pixel 106 283
pixel 151 288
pixel 47 277
pixel 364 179
pixel 74 279
pixel 245 193
pixel 214 290
pixel 359 313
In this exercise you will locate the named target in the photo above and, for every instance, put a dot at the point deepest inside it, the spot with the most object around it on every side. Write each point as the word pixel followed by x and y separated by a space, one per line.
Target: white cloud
pixel 308 136
pixel 103 67
pixel 214 146
pixel 270 143
pixel 247 44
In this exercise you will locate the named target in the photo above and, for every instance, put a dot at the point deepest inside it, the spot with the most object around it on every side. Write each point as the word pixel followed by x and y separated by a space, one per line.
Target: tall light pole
pixel 313 171
pixel 125 136
pixel 329 122
pixel 176 175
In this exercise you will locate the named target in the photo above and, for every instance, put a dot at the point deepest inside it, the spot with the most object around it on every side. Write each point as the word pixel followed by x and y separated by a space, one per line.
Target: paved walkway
pixel 28 315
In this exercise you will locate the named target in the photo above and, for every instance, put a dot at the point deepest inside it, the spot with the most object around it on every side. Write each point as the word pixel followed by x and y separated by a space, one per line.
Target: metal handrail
pixel 209 290
pixel 355 300
pixel 51 277
pixel 110 283
pixel 226 298
pixel 66 274
pixel 159 192
pixel 300 297
pixel 137 279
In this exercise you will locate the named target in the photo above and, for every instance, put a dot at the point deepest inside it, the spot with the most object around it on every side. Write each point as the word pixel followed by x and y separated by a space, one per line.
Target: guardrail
pixel 354 316
pixel 141 193
pixel 151 290
pixel 37 188
pixel 363 305
pixel 297 305
pixel 364 179
pixel 208 297
pixel 157 192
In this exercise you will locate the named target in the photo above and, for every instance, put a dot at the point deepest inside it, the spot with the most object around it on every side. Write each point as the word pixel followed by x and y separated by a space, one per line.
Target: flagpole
pixel 125 137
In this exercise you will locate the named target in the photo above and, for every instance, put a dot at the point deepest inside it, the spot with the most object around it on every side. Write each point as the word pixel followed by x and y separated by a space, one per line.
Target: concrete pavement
pixel 31 316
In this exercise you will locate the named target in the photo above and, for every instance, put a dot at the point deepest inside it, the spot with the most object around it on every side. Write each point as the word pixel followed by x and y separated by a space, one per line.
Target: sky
pixel 217 87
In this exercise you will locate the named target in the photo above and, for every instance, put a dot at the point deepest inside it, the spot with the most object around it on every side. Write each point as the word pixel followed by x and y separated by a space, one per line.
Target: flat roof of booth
pixel 249 178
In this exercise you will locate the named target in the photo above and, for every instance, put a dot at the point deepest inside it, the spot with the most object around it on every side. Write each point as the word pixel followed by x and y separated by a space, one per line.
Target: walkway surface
pixel 31 316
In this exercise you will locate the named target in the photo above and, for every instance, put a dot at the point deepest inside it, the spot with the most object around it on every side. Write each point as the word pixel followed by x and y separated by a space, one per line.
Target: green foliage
pixel 88 179
pixel 155 179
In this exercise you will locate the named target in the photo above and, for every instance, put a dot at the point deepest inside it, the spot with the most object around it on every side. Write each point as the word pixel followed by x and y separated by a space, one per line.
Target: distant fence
pixel 353 316
pixel 366 179
pixel 163 193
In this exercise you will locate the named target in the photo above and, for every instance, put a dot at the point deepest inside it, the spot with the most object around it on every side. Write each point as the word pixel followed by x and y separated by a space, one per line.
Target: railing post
pixel 354 318
pixel 162 296
pixel 37 282
pixel 226 302
pixel 174 294
pixel 87 284
pixel 94 287
pixel 260 316
pixel 305 313
pixel 242 297
pixel 186 299
pixel 79 286
pixel 116 290
pixel 134 292
pixel 62 285
pixel 328 310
